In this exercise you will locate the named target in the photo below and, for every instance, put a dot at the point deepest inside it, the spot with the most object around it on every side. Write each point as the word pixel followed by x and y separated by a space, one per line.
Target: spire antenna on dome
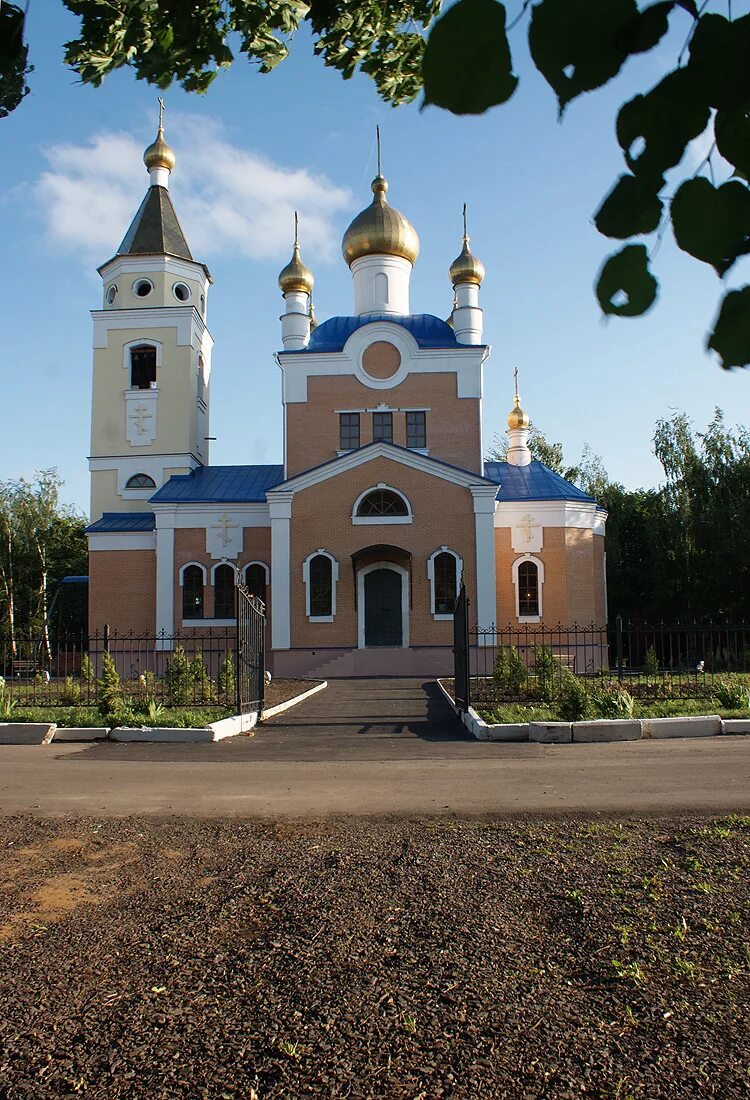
pixel 159 157
pixel 161 114
pixel 515 386
pixel 296 229
pixel 377 140
pixel 466 231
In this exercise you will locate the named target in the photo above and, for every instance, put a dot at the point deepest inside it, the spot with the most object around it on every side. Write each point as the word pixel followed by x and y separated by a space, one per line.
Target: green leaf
pixel 712 223
pixel 626 274
pixel 732 133
pixel 467 66
pixel 646 29
pixel 720 59
pixel 731 334
pixel 14 54
pixel 573 43
pixel 631 208
pixel 666 118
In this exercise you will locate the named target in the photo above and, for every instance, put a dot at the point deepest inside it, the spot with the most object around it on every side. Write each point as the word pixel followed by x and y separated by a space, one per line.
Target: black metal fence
pixel 530 661
pixel 251 671
pixel 190 669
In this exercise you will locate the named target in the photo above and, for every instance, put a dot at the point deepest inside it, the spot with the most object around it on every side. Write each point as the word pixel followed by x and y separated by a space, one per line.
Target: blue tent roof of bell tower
pixel 427 330
pixel 533 482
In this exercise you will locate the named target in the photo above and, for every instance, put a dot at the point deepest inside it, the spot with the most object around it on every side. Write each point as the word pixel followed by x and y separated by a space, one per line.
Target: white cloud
pixel 230 200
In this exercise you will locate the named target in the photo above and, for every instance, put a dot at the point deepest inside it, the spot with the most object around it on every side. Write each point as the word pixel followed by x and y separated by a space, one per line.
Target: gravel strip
pixel 399 959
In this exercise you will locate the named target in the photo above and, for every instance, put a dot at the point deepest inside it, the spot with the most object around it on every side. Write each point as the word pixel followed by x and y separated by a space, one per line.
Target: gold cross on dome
pixel 141 415
pixel 224 526
pixel 527 525
pixel 161 113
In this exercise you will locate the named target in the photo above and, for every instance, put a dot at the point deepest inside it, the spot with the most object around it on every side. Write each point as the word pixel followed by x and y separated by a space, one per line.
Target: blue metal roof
pixel 216 484
pixel 122 521
pixel 533 482
pixel 428 331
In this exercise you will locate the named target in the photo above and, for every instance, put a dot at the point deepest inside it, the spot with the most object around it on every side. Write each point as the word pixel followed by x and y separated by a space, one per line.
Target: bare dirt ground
pixel 280 691
pixel 413 959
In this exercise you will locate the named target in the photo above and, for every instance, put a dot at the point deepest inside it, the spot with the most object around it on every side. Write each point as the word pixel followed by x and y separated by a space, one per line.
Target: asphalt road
pixel 374 747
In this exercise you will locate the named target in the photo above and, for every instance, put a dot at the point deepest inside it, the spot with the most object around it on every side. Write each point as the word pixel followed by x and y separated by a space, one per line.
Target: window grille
pixel 224 592
pixel 142 367
pixel 445 583
pixel 382 427
pixel 348 431
pixel 382 502
pixel 192 593
pixel 255 582
pixel 140 481
pixel 321 586
pixel 528 588
pixel 416 429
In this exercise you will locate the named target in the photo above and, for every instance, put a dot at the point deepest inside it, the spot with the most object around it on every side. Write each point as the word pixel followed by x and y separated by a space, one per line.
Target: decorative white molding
pixel 140 416
pixel 198 565
pixel 264 566
pixel 204 514
pixel 122 266
pixel 280 510
pixel 459 563
pixel 122 540
pixel 527 535
pixel 484 511
pixel 208 622
pixel 540 579
pixel 218 564
pixel 164 577
pixel 224 537
pixel 334 581
pixel 190 326
pixel 404 574
pixel 552 513
pixel 364 521
pixel 144 341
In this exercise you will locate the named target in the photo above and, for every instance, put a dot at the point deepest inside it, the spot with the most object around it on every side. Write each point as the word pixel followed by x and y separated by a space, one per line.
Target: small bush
pixel 575 703
pixel 87 671
pixel 203 691
pixel 612 702
pixel 652 662
pixel 227 681
pixel 547 672
pixel 109 688
pixel 178 679
pixel 509 674
pixel 732 693
pixel 70 693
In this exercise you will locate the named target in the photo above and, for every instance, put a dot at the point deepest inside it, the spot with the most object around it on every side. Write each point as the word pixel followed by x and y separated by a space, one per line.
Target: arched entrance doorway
pixel 382 587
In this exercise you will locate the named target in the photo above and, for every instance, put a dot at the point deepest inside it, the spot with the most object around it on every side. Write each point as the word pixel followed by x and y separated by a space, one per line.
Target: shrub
pixel 575 703
pixel 147 685
pixel 70 693
pixel 87 671
pixel 227 681
pixel 178 679
pixel 509 673
pixel 547 672
pixel 652 662
pixel 109 687
pixel 732 693
pixel 203 691
pixel 612 702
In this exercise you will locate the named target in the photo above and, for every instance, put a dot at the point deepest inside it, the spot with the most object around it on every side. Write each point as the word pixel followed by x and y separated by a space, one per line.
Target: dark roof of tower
pixel 155 229
pixel 533 482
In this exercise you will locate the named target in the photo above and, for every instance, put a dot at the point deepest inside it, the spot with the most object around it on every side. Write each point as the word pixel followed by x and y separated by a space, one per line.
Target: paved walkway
pixel 374 747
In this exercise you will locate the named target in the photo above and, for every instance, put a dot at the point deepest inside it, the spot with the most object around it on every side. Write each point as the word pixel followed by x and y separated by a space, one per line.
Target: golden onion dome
pixel 517 418
pixel 380 230
pixel 296 277
pixel 466 268
pixel 159 154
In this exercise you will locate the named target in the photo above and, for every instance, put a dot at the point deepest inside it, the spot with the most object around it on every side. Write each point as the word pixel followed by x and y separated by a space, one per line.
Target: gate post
pixel 618 644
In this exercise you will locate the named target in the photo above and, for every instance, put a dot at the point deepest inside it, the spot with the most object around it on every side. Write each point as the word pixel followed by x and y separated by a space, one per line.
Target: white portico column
pixel 280 507
pixel 484 525
pixel 165 577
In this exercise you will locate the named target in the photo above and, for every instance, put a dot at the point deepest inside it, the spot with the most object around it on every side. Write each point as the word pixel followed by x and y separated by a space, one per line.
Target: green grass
pixel 675 708
pixel 178 717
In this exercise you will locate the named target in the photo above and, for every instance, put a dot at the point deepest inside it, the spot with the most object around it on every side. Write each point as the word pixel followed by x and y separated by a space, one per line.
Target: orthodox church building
pixel 359 540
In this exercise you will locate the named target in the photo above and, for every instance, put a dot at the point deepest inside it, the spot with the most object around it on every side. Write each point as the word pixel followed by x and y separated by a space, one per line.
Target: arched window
pixel 192 592
pixel 224 579
pixel 528 588
pixel 140 481
pixel 142 367
pixel 321 586
pixel 382 502
pixel 380 288
pixel 256 580
pixel 444 569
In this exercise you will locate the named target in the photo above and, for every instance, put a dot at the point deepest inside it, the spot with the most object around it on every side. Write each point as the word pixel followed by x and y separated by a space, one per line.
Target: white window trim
pixel 208 622
pixel 141 279
pixel 366 521
pixel 200 565
pixel 147 490
pixel 266 570
pixel 182 301
pixel 431 577
pixel 147 342
pixel 540 567
pixel 404 574
pixel 216 565
pixel 334 582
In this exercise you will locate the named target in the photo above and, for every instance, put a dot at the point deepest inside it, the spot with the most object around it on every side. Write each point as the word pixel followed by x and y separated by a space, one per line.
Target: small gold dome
pixel 380 230
pixel 296 277
pixel 159 154
pixel 466 268
pixel 517 418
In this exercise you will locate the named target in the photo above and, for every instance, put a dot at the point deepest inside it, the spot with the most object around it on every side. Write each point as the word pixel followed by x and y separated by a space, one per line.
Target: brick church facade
pixel 358 541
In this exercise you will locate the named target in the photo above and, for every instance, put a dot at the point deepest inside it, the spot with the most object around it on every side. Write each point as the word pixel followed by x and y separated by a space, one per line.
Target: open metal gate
pixel 461 667
pixel 251 652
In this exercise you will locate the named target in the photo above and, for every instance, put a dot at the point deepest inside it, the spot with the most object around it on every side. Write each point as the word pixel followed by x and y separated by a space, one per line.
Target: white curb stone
pixel 614 729
pixel 704 726
pixel 281 707
pixel 26 733
pixel 735 725
pixel 508 731
pixel 551 733
pixel 81 733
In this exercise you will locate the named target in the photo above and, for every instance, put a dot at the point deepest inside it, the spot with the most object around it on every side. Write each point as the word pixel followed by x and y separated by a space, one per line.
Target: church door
pixel 383 614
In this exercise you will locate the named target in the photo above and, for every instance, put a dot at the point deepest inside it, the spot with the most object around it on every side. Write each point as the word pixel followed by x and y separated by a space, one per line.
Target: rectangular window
pixel 348 431
pixel 142 367
pixel 416 429
pixel 382 427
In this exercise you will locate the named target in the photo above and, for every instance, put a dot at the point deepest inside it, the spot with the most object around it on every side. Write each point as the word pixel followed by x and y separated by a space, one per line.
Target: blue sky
pixel 258 146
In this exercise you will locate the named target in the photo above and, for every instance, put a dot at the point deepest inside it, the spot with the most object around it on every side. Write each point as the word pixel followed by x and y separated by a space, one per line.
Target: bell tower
pixel 152 354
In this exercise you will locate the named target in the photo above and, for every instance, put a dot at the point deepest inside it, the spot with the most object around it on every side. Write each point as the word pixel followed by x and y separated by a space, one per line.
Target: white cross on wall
pixel 141 415
pixel 527 525
pixel 224 526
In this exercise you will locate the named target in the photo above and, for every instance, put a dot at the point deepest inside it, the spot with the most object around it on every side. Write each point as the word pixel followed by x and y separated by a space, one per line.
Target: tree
pixel 588 473
pixel 462 61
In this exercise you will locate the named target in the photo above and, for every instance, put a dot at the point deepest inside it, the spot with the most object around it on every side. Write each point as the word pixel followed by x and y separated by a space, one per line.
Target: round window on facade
pixel 142 288
pixel 181 292
pixel 111 294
